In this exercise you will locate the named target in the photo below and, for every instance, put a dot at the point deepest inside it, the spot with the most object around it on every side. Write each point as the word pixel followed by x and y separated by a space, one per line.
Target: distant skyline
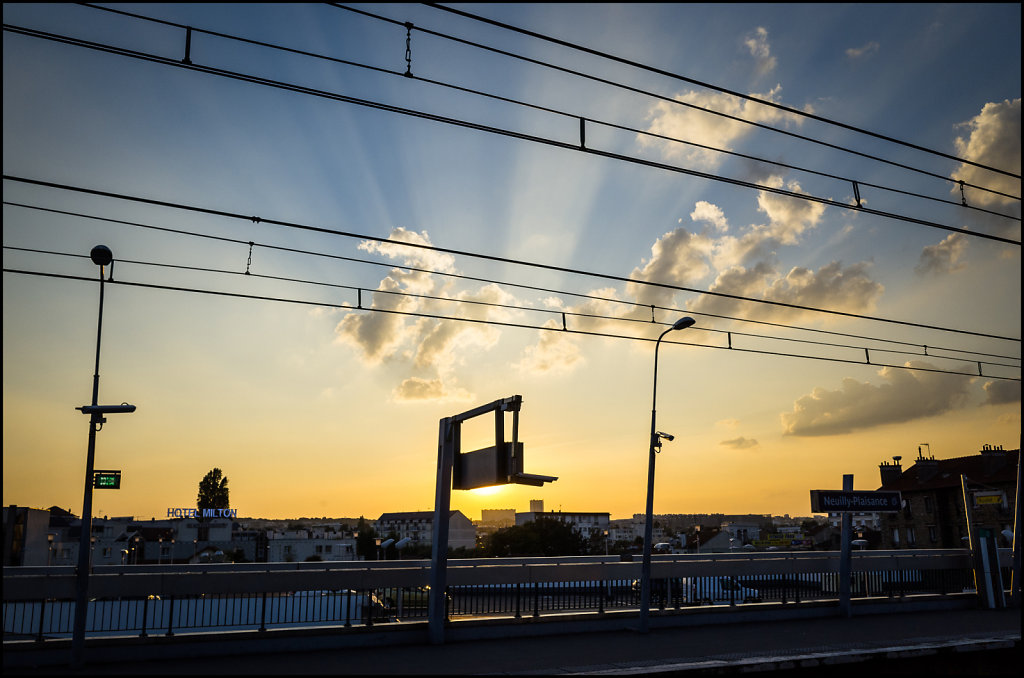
pixel 325 408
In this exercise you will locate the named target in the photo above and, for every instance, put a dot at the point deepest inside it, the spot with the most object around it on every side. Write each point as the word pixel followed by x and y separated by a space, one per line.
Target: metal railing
pixel 38 603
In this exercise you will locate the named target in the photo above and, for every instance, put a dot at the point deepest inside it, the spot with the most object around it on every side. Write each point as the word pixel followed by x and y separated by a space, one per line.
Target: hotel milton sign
pixel 202 513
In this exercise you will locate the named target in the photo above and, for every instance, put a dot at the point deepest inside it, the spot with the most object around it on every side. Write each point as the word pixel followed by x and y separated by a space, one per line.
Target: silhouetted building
pixel 26 536
pixel 418 526
pixel 933 513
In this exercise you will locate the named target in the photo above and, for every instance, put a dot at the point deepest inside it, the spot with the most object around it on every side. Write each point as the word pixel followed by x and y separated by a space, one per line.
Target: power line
pixel 772 104
pixel 636 306
pixel 556 312
pixel 299 89
pixel 575 116
pixel 661 97
pixel 498 323
pixel 489 257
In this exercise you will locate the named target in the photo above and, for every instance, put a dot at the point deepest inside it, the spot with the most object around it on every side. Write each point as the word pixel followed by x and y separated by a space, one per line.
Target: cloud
pixel 832 286
pixel 740 443
pixel 416 389
pixel 904 396
pixel 993 139
pixel 710 213
pixel 553 353
pixel 1001 392
pixel 863 51
pixel 677 258
pixel 944 257
pixel 423 342
pixel 377 335
pixel 757 44
pixel 848 289
pixel 788 217
pixel 701 127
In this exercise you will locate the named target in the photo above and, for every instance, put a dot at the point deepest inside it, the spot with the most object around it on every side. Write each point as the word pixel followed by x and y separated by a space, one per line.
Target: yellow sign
pixel 980 499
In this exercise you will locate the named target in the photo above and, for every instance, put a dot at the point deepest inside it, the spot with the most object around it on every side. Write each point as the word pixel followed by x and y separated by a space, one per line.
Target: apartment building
pixel 419 526
pixel 940 494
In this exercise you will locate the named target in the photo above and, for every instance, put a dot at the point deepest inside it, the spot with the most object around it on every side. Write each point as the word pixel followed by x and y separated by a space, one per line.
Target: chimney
pixel 993 458
pixel 926 467
pixel 890 473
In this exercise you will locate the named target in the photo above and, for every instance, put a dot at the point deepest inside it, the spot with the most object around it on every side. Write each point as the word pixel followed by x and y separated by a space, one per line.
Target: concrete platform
pixel 951 642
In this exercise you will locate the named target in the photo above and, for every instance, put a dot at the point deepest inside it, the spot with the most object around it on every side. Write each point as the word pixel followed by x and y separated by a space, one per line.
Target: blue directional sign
pixel 838 501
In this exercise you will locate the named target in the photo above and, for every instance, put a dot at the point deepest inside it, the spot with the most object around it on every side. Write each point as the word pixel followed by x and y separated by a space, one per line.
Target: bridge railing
pixel 169 599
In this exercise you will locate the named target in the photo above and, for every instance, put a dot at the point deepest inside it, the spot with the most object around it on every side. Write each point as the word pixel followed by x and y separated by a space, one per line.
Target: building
pixel 419 527
pixel 934 513
pixel 586 525
pixel 742 533
pixel 860 520
pixel 498 517
pixel 26 536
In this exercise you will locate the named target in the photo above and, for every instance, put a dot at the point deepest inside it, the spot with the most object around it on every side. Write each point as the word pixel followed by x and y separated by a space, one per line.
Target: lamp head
pixel 101 255
pixel 683 323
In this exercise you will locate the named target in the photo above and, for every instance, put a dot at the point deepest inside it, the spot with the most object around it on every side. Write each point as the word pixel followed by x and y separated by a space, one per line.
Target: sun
pixel 487 491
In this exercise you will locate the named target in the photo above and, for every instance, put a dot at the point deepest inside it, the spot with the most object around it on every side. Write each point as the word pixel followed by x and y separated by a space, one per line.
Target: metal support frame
pixel 448 467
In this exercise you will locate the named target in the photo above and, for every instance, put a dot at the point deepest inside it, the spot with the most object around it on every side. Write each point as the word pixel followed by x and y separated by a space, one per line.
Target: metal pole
pixel 84 550
pixel 1015 589
pixel 845 554
pixel 645 568
pixel 436 612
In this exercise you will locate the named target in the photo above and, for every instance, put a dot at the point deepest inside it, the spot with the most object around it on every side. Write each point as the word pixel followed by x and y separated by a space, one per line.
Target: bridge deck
pixel 981 642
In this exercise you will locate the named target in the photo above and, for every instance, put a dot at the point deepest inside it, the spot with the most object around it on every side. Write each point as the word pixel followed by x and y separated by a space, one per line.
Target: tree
pixel 213 491
pixel 366 546
pixel 543 537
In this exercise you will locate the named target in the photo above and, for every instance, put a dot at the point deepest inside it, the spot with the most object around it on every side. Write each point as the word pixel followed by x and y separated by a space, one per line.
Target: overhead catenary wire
pixel 634 305
pixel 499 323
pixel 677 101
pixel 505 132
pixel 748 97
pixel 549 311
pixel 591 120
pixel 489 257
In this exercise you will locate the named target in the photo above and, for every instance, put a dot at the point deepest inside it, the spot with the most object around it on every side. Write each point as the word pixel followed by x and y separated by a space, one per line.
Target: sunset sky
pixel 321 409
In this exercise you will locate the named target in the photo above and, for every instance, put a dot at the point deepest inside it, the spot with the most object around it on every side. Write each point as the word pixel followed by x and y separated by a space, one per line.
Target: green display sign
pixel 106 480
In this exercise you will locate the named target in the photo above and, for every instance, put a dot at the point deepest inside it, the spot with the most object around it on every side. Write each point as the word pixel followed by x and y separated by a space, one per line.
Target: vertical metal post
pixel 1015 588
pixel 845 554
pixel 970 533
pixel 645 567
pixel 84 544
pixel 436 609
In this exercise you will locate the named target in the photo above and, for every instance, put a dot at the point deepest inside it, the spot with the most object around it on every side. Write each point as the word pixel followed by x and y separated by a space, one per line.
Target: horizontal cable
pixel 299 89
pixel 662 97
pixel 763 102
pixel 498 323
pixel 554 312
pixel 489 257
pixel 592 297
pixel 576 116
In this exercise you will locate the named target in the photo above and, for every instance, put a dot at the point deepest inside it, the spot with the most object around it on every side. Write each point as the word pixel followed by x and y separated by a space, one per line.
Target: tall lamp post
pixel 102 257
pixel 656 436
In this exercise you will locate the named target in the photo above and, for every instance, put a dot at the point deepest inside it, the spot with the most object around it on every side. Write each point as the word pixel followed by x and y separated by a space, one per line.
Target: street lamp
pixel 656 436
pixel 102 257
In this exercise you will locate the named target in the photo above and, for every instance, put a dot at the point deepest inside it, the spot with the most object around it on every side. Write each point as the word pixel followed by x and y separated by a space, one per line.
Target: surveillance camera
pixel 667 436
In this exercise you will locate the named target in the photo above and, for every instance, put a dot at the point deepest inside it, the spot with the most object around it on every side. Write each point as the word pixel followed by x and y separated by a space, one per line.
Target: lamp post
pixel 656 436
pixel 102 257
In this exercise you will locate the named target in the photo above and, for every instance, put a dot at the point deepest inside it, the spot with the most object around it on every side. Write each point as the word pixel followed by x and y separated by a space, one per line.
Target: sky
pixel 545 253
